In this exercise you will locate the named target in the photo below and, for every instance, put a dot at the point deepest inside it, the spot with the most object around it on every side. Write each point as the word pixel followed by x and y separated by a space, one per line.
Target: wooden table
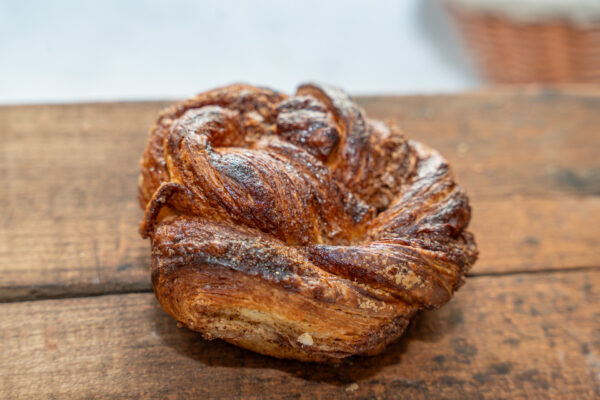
pixel 78 318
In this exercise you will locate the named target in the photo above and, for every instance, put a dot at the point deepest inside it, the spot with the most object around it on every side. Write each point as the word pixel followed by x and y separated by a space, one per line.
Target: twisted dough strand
pixel 273 218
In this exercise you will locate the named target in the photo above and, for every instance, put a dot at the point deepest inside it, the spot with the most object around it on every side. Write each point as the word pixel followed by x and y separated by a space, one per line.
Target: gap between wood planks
pixel 85 292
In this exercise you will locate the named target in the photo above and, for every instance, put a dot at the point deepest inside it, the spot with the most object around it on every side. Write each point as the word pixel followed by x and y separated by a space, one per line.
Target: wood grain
pixel 527 143
pixel 534 234
pixel 531 336
pixel 69 211
pixel 68 173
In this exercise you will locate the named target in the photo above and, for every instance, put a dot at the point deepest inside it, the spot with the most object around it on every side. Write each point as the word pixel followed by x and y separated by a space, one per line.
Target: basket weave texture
pixel 525 52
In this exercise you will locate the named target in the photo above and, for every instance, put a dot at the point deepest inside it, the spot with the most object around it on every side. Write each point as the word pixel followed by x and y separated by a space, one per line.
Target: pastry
pixel 295 226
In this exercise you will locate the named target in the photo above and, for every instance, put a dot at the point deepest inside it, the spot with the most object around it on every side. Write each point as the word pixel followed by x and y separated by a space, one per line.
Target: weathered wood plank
pixel 526 234
pixel 514 234
pixel 520 336
pixel 68 213
pixel 68 208
pixel 528 143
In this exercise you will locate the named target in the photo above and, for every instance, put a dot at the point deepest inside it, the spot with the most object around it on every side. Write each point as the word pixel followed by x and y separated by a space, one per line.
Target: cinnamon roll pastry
pixel 295 226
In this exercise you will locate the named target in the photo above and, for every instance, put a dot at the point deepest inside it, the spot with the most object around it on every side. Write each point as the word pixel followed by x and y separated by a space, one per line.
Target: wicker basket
pixel 520 52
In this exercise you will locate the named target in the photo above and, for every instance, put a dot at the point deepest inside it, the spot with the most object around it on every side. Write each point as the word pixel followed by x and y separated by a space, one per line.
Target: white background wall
pixel 70 50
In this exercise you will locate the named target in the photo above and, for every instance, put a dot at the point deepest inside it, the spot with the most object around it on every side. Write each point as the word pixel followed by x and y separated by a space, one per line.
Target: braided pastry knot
pixel 295 226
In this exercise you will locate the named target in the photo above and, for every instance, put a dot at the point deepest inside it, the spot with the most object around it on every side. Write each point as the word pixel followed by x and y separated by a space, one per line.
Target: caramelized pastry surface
pixel 295 226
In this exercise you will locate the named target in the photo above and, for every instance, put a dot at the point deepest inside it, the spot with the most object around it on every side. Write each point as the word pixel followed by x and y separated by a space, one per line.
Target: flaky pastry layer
pixel 295 226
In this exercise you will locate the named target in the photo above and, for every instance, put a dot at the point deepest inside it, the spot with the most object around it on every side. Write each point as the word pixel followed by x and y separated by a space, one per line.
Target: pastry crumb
pixel 306 339
pixel 352 387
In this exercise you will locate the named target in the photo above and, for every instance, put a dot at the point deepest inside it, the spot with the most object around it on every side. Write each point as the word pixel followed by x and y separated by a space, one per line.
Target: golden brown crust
pixel 296 227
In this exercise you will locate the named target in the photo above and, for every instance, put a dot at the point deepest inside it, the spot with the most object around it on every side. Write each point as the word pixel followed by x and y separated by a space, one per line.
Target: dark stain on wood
pixel 518 302
pixel 456 316
pixel 401 383
pixel 531 240
pixel 582 182
pixel 502 368
pixel 124 266
pixel 463 350
pixel 533 377
pixel 447 380
pixel 439 359
pixel 513 342
pixel 585 349
pixel 492 372
pixel 533 311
